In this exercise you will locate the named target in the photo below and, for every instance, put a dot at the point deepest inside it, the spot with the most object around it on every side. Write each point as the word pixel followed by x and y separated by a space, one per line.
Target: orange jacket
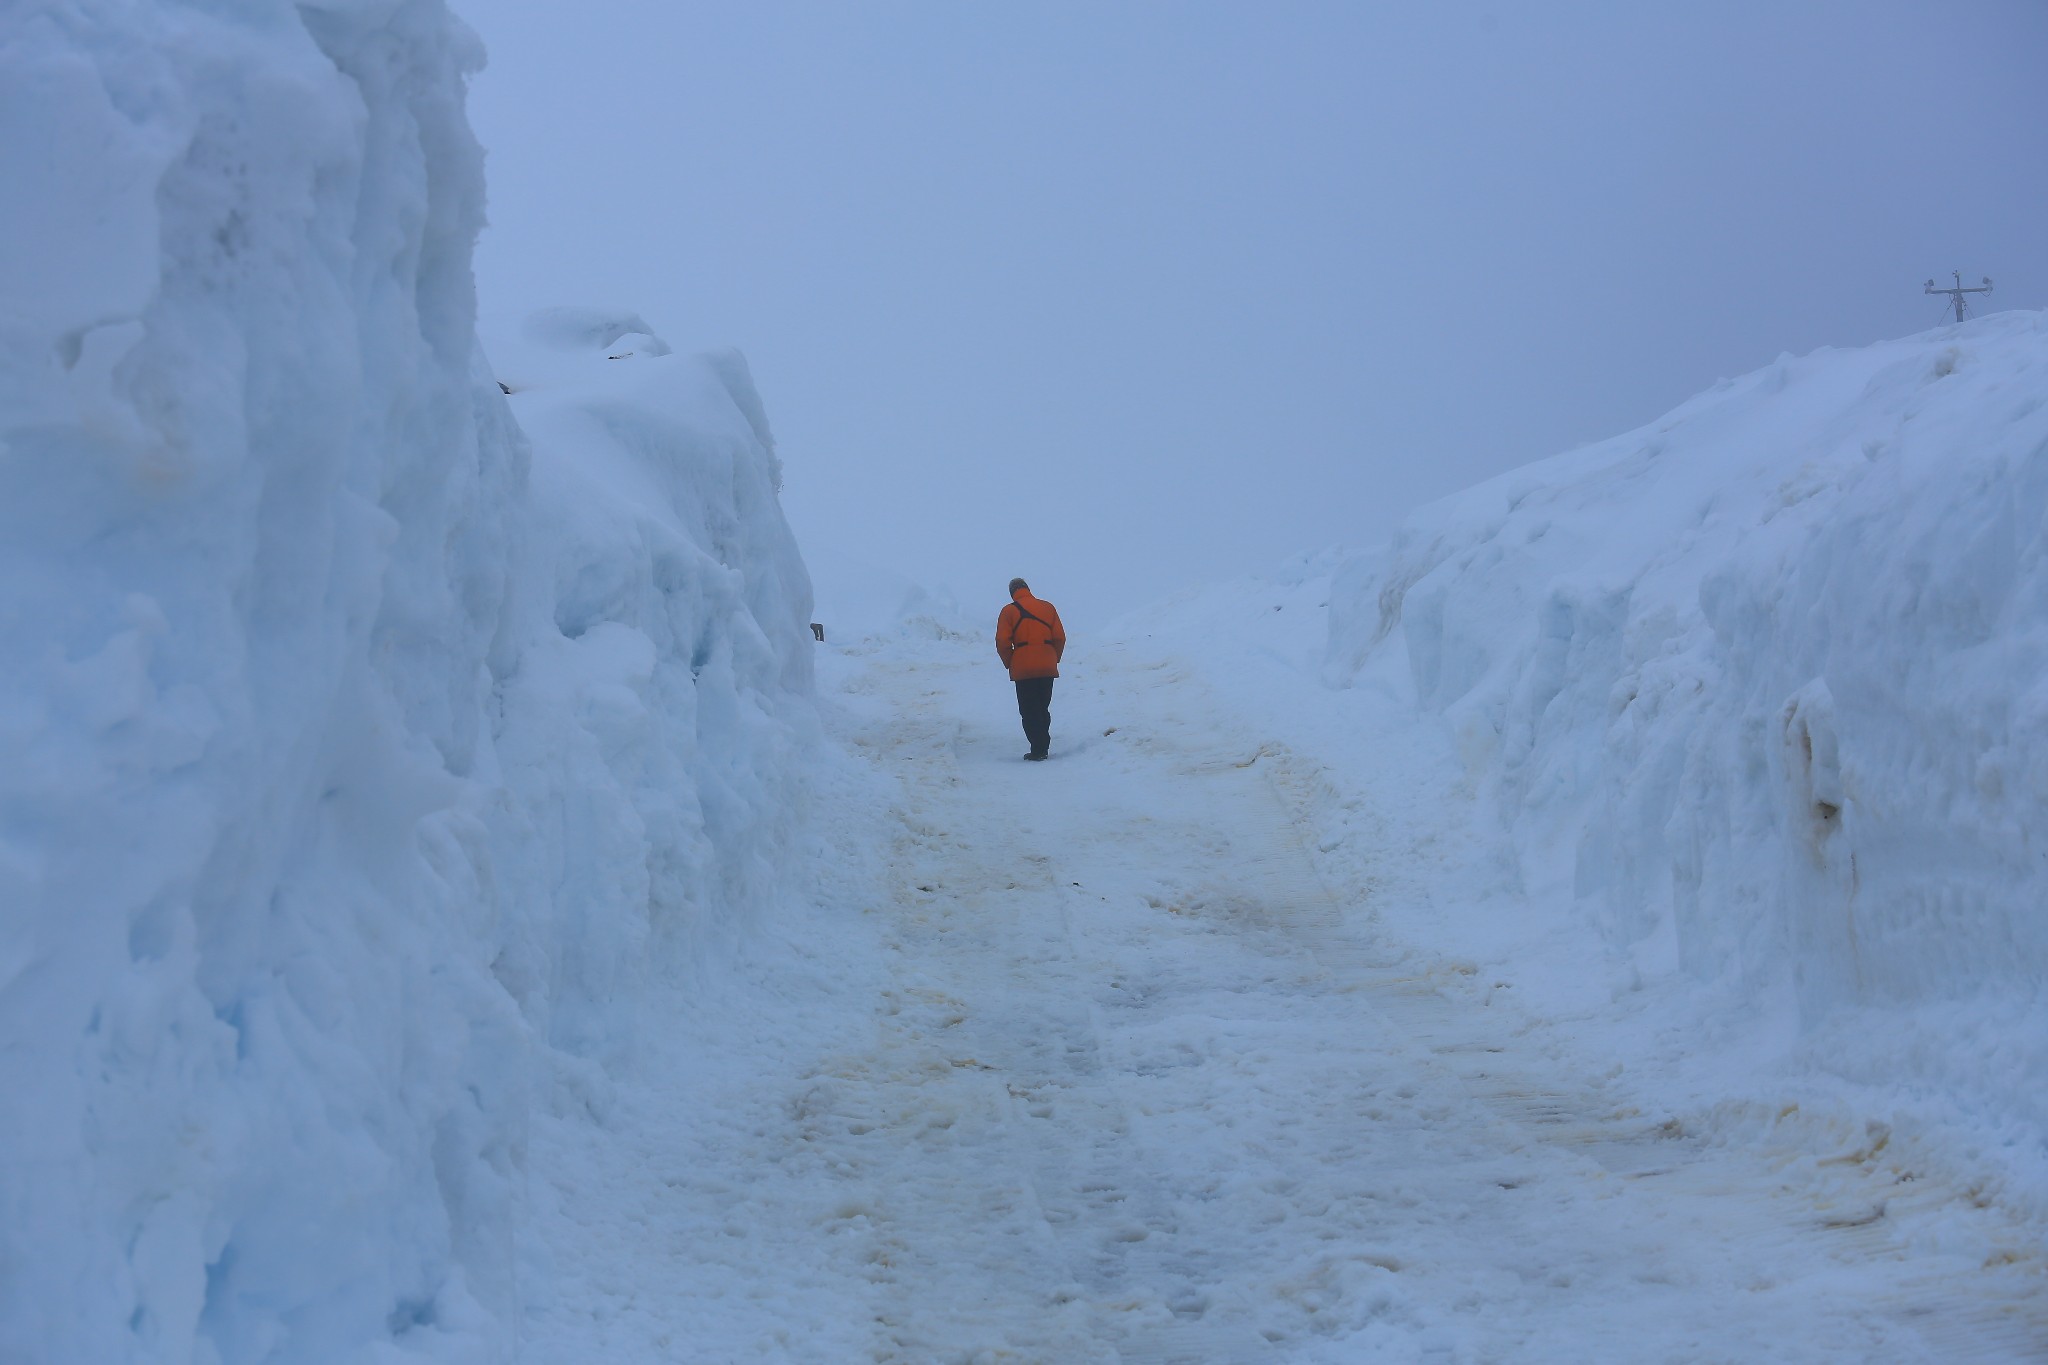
pixel 1030 638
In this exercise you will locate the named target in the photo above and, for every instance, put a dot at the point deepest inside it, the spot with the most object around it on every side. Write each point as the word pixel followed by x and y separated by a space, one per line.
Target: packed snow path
pixel 1129 1083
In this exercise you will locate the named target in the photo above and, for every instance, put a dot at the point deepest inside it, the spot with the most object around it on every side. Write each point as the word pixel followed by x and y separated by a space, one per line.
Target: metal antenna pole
pixel 1956 294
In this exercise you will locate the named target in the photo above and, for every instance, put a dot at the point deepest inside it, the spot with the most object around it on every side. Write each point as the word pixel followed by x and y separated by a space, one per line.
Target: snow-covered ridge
pixel 357 757
pixel 1760 692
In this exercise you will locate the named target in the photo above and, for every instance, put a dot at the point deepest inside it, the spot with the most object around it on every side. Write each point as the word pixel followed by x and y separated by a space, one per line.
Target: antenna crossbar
pixel 1956 293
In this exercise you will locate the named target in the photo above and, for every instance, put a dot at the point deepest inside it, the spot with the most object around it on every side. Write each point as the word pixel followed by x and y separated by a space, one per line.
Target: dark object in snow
pixel 817 632
pixel 503 387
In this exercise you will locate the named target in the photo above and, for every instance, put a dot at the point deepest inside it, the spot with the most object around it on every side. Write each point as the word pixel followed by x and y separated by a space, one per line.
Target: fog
pixel 1125 297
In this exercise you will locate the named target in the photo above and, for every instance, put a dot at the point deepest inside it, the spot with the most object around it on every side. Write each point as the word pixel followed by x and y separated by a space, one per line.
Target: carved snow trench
pixel 1142 1090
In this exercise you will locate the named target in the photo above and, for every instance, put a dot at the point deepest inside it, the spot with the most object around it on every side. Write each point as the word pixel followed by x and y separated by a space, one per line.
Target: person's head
pixel 1018 585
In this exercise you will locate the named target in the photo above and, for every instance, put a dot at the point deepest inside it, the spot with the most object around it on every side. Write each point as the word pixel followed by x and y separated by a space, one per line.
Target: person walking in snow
pixel 1031 640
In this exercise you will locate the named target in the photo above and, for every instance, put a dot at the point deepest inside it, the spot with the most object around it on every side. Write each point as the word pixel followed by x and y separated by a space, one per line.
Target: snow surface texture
pixel 1759 694
pixel 358 763
pixel 1154 1053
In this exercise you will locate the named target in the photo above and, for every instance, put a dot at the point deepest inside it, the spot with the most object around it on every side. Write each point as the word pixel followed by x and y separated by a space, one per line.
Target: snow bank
pixel 658 718
pixel 345 762
pixel 1759 693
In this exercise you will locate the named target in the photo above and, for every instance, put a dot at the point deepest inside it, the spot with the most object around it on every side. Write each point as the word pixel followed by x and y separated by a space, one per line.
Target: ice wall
pixel 352 773
pixel 1761 690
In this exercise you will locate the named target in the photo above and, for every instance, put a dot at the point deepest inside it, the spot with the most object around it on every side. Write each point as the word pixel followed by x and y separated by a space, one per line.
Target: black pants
pixel 1034 704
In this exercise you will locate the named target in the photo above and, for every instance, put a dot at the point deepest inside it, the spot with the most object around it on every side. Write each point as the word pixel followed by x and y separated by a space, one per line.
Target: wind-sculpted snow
pixel 350 768
pixel 1761 690
pixel 652 713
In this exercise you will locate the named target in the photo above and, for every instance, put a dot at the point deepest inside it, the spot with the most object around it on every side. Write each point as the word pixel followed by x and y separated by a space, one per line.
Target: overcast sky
pixel 1123 296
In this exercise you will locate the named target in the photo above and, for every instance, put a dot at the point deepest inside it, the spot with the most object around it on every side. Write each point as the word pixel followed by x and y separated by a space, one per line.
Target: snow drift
pixel 1760 693
pixel 356 762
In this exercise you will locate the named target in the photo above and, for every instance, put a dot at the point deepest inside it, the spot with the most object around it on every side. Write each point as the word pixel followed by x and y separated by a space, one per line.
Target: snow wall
pixel 360 762
pixel 1760 692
